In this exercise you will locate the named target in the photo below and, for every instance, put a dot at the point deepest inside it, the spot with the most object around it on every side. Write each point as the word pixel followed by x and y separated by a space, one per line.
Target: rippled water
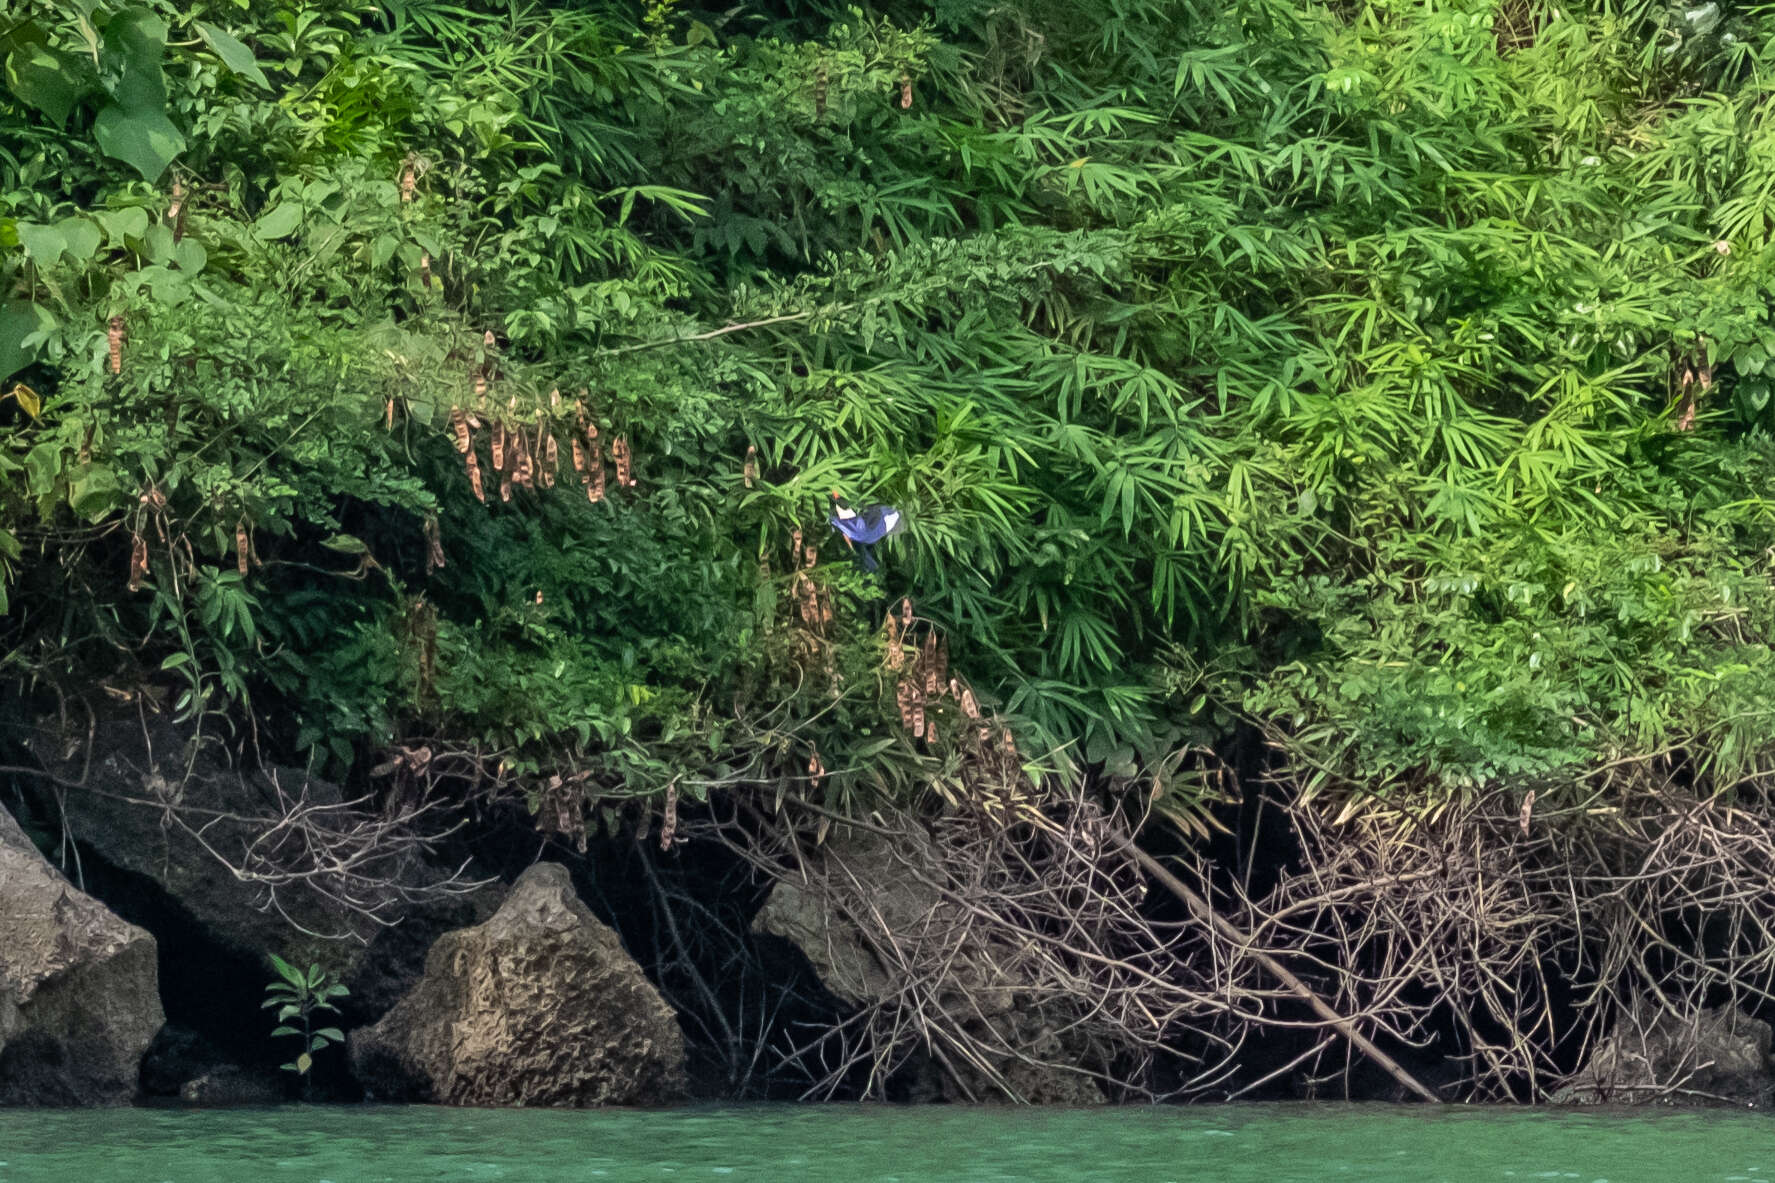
pixel 1375 1144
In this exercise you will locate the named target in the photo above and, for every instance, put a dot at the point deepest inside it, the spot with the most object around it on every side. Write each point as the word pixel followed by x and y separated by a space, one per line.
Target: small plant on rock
pixel 298 995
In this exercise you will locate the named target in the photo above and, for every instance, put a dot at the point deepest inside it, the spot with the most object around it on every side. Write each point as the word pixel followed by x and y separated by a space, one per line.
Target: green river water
pixel 853 1144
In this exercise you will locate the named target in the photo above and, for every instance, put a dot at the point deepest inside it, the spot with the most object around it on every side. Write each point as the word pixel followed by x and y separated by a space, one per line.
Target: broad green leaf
pixel 135 40
pixel 346 544
pixel 45 78
pixel 44 244
pixel 234 55
pixel 43 468
pixel 123 224
pixel 304 1062
pixel 81 236
pixel 143 138
pixel 190 256
pixel 278 222
pixel 93 491
pixel 17 321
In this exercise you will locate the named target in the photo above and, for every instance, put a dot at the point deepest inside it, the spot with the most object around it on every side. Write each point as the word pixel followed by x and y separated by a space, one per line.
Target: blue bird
pixel 863 528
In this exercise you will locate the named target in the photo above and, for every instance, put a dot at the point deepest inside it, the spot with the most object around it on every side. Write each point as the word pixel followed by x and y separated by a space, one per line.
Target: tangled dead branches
pixel 332 866
pixel 1017 955
pixel 1520 933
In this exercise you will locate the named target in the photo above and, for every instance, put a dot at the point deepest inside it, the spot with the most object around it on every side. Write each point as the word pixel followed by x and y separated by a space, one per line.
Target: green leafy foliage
pixel 299 996
pixel 1408 366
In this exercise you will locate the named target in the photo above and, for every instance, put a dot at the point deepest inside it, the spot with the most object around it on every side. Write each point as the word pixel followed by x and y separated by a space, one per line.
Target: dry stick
pixel 712 333
pixel 1227 931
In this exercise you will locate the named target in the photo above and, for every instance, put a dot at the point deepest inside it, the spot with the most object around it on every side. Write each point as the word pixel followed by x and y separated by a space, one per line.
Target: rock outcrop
pixel 140 776
pixel 540 1005
pixel 79 992
pixel 1712 1057
pixel 847 956
pixel 142 780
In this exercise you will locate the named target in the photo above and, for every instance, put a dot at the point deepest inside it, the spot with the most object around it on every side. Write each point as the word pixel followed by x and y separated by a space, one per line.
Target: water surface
pixel 856 1144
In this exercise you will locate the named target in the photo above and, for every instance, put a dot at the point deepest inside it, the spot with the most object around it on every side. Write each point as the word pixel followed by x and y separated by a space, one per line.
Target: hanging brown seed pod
pixel 751 469
pixel 409 177
pixel 555 398
pixel 595 490
pixel 459 427
pixel 242 547
pixel 480 381
pixel 114 343
pixel 905 614
pixel 903 699
pixel 1009 744
pixel 434 545
pixel 810 556
pixel 826 614
pixel 927 662
pixel 795 545
pixel 942 666
pixel 498 446
pixel 175 213
pixel 816 768
pixel 138 562
pixel 505 486
pixel 905 91
pixel 474 476
pixel 425 270
pixel 668 832
pixel 388 415
pixel 896 653
pixel 579 455
pixel 918 720
pixel 970 706
pixel 619 454
pixel 522 470
pixel 551 459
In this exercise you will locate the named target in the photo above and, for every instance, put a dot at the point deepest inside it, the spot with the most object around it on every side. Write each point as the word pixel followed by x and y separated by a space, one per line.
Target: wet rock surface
pixel 854 964
pixel 1717 1056
pixel 79 993
pixel 540 1005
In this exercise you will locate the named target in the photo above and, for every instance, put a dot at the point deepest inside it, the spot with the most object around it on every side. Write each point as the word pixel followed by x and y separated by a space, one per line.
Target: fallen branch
pixel 1228 932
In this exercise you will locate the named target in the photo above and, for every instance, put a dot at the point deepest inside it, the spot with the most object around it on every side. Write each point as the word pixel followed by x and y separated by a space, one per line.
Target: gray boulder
pixel 851 950
pixel 141 778
pixel 79 991
pixel 1709 1057
pixel 538 1006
